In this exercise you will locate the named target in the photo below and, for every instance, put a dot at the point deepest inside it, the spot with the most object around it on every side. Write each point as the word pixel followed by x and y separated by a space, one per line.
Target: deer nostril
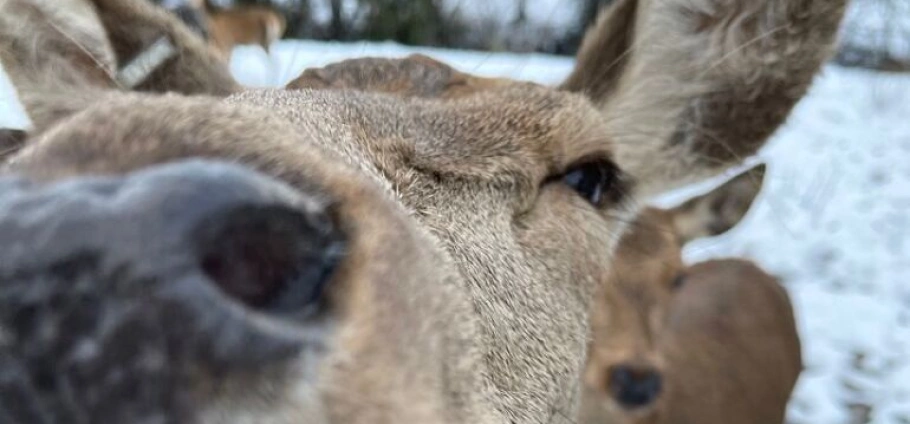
pixel 634 386
pixel 171 249
pixel 274 259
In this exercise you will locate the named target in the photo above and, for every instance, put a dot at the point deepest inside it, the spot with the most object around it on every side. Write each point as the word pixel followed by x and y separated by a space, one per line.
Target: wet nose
pixel 241 258
pixel 634 386
pixel 137 288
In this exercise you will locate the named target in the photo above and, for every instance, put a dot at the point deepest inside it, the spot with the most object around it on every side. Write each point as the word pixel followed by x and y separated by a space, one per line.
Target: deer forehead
pixel 649 249
pixel 521 133
pixel 414 76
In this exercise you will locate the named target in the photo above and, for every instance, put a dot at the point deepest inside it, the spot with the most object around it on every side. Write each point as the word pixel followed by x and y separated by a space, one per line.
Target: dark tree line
pixel 431 23
pixel 425 23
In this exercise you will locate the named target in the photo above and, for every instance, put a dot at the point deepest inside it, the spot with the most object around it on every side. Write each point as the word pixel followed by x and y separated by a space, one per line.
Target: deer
pixel 241 25
pixel 705 343
pixel 10 140
pixel 178 248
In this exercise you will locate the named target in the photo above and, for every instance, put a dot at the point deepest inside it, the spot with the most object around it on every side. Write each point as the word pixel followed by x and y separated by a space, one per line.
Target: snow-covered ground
pixel 879 25
pixel 832 221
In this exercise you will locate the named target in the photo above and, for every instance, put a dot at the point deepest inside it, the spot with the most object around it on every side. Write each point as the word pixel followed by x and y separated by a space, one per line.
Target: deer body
pixel 759 340
pixel 346 253
pixel 243 25
pixel 707 343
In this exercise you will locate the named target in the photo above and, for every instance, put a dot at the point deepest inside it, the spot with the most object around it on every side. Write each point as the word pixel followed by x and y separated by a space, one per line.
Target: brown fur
pixel 464 295
pixel 725 341
pixel 414 76
pixel 45 53
pixel 241 25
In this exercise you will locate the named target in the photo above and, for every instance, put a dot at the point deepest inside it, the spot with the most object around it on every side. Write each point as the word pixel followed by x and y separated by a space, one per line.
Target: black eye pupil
pixel 679 281
pixel 590 180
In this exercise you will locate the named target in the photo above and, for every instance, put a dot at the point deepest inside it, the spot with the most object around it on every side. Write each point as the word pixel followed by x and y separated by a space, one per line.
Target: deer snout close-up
pixel 195 270
pixel 381 240
pixel 724 336
pixel 634 385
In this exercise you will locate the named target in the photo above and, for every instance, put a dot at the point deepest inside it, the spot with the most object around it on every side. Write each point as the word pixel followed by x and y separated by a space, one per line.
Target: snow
pixel 11 113
pixel 879 24
pixel 831 222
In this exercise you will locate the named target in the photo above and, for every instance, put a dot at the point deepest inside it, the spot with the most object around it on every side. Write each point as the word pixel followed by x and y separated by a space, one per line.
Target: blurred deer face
pixel 346 252
pixel 630 314
pixel 632 319
pixel 399 213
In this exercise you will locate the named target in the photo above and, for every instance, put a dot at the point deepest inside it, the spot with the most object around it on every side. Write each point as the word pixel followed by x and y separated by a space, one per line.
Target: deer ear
pixel 689 88
pixel 48 45
pixel 137 28
pixel 604 52
pixel 719 210
pixel 64 55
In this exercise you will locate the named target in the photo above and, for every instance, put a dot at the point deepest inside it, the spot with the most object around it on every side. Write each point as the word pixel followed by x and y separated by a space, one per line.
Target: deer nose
pixel 271 258
pixel 242 258
pixel 634 386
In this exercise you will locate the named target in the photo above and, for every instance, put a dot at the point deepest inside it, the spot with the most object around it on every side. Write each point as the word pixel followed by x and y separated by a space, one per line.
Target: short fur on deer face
pixel 639 325
pixel 475 225
pixel 729 346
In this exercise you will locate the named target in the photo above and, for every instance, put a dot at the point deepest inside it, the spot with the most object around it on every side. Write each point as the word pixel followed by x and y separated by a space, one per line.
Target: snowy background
pixel 832 221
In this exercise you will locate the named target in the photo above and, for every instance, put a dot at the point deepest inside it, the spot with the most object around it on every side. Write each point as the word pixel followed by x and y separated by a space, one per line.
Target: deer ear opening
pixel 689 88
pixel 719 210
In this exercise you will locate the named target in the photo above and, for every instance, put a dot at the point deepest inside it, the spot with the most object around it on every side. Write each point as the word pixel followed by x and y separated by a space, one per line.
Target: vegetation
pixel 876 33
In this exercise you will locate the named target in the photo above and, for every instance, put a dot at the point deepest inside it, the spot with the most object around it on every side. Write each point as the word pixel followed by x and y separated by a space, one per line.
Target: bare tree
pixel 415 22
pixel 521 14
pixel 337 25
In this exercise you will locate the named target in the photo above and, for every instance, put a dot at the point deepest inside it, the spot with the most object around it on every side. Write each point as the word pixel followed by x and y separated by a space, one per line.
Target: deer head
pixel 474 226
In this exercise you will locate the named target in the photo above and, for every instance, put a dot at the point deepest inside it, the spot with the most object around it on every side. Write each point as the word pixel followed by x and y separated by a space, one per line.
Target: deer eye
pixel 597 181
pixel 678 282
